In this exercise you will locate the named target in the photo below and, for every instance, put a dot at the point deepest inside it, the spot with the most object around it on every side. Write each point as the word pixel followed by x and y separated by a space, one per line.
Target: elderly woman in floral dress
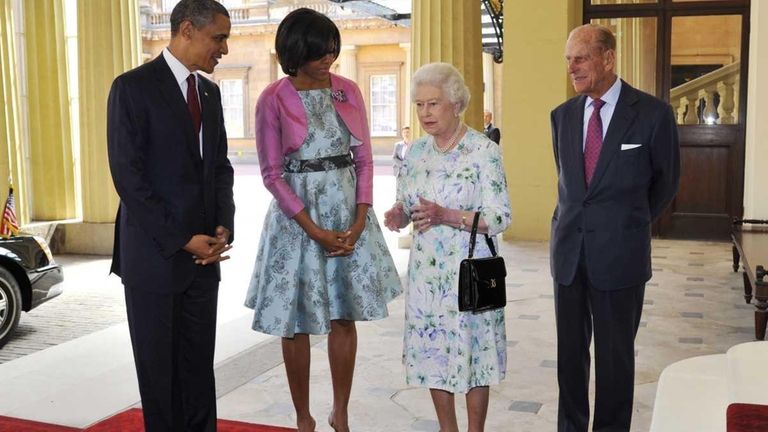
pixel 449 175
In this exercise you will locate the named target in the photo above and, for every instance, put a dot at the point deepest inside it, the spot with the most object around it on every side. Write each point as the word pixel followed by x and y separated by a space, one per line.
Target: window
pixel 384 105
pixel 232 103
pixel 168 5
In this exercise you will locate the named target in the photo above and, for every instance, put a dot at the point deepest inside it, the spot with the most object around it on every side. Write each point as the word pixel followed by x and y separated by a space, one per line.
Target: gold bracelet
pixel 463 223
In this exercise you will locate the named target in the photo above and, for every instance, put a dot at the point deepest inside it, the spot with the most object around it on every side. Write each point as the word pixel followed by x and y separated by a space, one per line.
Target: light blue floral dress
pixel 444 348
pixel 295 288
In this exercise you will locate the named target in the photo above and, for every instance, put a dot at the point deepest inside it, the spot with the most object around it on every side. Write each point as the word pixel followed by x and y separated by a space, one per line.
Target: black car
pixel 29 277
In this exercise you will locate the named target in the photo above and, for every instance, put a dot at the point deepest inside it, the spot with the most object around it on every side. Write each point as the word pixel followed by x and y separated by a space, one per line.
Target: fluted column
pixel 406 97
pixel 488 101
pixel 51 165
pixel 449 31
pixel 348 62
pixel 11 134
pixel 109 44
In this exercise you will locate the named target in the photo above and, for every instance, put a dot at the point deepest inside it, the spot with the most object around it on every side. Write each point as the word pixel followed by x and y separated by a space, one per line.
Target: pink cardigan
pixel 281 127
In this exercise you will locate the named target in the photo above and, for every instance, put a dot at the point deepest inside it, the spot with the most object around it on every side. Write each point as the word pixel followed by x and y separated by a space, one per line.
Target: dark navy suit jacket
pixel 493 133
pixel 167 192
pixel 612 217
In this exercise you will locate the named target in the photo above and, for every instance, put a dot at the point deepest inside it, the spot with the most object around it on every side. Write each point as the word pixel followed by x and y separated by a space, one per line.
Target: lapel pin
pixel 339 96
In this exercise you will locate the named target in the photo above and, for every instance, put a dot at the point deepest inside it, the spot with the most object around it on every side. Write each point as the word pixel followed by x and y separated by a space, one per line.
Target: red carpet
pixel 126 421
pixel 747 417
pixel 13 424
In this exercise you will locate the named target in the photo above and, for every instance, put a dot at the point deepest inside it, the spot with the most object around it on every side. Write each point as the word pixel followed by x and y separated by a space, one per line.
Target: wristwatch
pixel 463 223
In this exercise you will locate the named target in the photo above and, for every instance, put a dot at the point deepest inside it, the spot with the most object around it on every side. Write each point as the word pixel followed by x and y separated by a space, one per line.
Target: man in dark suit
pixel 168 157
pixel 618 163
pixel 491 131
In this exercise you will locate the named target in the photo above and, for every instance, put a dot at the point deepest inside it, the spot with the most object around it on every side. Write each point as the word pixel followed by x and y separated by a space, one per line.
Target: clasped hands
pixel 208 250
pixel 424 215
pixel 338 243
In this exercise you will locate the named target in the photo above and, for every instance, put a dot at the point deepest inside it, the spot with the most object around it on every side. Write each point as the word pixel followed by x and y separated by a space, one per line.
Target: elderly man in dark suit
pixel 618 163
pixel 168 157
pixel 492 132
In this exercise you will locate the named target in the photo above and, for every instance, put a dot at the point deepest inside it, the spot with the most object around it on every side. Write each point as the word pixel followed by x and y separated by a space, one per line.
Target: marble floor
pixel 693 306
pixel 71 363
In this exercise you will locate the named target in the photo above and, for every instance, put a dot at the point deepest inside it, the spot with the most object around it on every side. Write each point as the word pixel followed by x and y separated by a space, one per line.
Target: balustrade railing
pixel 708 99
pixel 251 14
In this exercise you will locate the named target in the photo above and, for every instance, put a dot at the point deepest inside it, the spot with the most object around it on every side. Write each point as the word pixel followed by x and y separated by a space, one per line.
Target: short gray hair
pixel 199 12
pixel 600 36
pixel 443 76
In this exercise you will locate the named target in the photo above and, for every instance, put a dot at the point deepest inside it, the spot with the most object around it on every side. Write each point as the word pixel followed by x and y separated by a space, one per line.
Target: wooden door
pixel 693 55
pixel 706 85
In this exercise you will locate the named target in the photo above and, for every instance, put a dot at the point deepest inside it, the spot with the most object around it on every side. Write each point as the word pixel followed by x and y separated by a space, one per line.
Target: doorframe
pixel 664 11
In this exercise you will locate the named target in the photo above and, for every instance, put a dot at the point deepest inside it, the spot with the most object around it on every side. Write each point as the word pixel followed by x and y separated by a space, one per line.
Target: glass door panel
pixel 635 50
pixel 705 69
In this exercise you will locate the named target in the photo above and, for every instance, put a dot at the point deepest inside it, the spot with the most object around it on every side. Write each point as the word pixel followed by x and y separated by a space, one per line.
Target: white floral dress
pixel 444 348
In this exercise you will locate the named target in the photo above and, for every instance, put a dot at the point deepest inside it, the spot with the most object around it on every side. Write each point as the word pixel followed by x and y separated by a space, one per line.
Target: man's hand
pixel 206 249
pixel 222 234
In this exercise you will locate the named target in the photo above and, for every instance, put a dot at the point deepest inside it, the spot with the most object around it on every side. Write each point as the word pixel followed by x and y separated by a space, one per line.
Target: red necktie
pixel 594 140
pixel 192 102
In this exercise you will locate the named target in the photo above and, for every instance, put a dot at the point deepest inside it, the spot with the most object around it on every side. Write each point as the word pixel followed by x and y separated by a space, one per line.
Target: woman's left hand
pixel 426 214
pixel 353 233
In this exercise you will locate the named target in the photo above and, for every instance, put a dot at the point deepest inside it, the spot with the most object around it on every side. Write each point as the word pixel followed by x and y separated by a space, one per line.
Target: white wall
pixel 756 157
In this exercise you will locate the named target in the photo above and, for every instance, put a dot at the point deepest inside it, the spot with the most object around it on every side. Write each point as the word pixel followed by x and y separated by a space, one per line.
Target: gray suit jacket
pixel 398 156
pixel 610 221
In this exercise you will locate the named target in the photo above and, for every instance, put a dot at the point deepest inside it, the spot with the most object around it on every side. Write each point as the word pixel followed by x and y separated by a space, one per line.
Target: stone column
pixel 348 62
pixel 109 43
pixel 12 158
pixel 406 88
pixel 449 31
pixel 488 102
pixel 51 165
pixel 535 31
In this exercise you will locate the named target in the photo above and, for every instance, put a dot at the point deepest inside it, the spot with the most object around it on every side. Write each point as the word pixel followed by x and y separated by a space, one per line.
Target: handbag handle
pixel 473 237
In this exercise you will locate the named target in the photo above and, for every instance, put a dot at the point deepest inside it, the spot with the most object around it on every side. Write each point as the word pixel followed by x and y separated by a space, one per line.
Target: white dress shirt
pixel 611 97
pixel 180 72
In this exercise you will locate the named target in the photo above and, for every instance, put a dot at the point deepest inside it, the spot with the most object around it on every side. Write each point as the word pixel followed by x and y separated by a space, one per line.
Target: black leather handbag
pixel 481 280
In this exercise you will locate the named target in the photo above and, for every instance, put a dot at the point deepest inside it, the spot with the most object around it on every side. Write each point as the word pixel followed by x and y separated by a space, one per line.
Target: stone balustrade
pixel 253 13
pixel 708 99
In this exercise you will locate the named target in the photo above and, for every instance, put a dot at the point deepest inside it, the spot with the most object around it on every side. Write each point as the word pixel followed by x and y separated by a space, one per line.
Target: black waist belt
pixel 329 163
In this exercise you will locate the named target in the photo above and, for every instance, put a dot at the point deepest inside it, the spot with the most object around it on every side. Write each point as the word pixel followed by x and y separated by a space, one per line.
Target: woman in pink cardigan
pixel 322 262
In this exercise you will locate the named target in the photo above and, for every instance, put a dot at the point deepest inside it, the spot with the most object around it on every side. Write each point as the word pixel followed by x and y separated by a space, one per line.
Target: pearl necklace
pixel 451 142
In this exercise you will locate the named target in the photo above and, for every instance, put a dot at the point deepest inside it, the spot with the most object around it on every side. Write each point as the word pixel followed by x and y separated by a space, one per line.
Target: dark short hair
pixel 199 12
pixel 305 35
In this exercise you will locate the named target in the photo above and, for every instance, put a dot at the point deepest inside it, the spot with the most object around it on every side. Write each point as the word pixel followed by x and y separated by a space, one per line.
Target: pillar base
pixel 83 238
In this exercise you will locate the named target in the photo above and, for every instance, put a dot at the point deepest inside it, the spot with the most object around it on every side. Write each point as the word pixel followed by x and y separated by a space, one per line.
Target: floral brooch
pixel 339 96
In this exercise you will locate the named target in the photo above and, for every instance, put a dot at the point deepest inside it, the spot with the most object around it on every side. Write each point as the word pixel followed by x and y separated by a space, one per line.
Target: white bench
pixel 694 394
